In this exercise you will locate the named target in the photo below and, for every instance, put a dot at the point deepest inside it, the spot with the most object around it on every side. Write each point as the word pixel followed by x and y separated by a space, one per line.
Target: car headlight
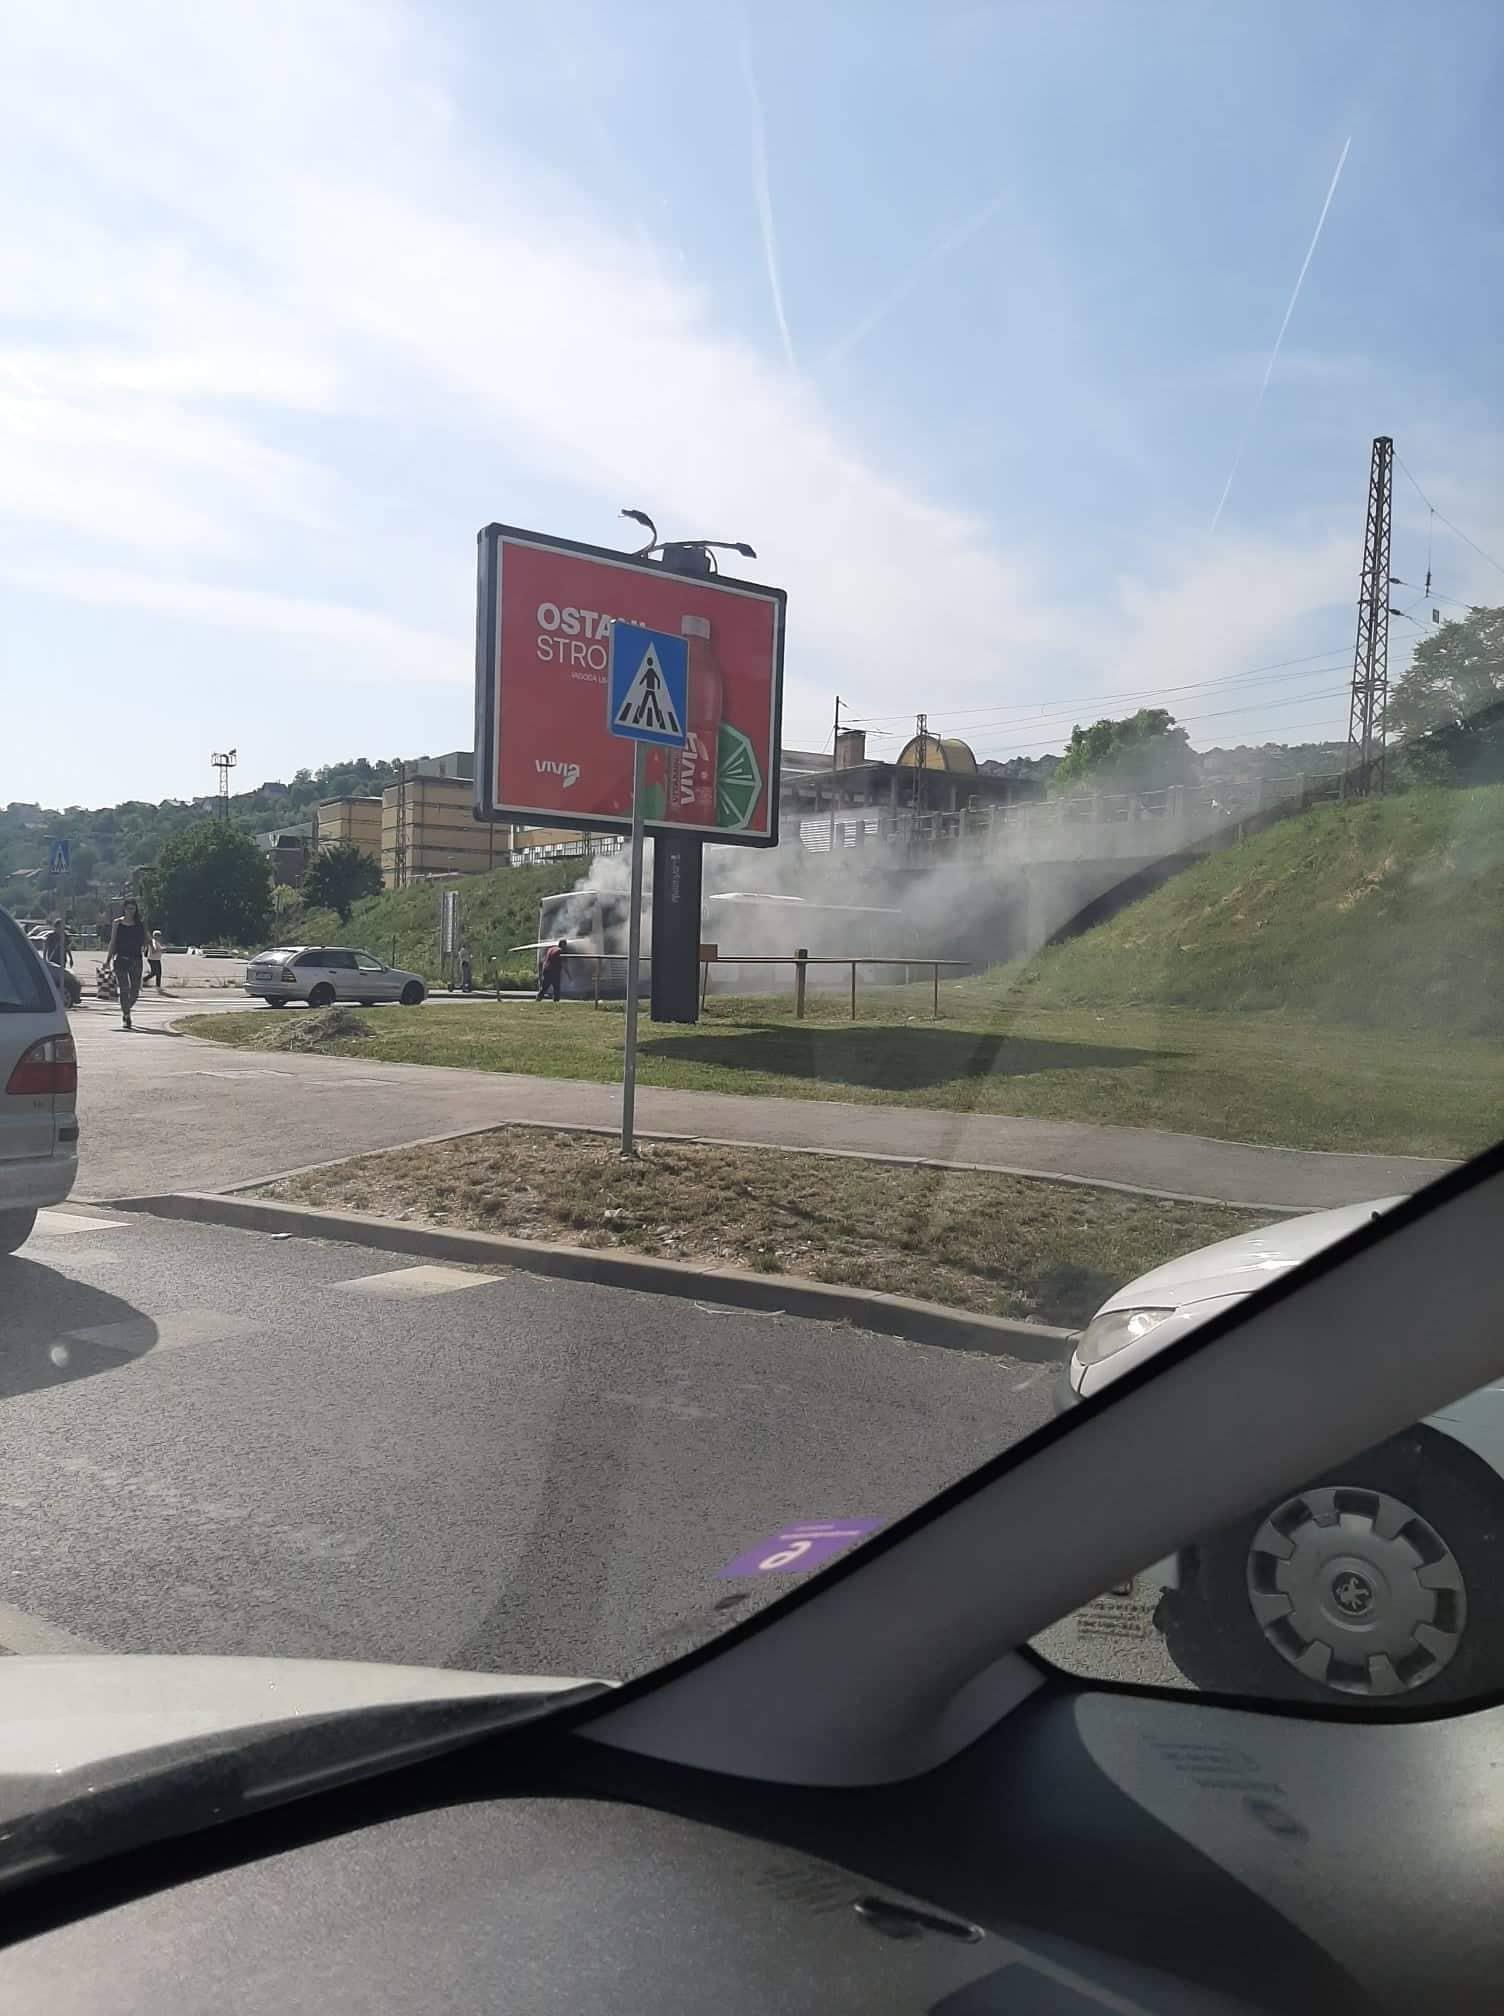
pixel 1107 1334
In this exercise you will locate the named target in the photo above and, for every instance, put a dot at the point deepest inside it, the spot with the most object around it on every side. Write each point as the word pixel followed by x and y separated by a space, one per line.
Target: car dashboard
pixel 1096 1851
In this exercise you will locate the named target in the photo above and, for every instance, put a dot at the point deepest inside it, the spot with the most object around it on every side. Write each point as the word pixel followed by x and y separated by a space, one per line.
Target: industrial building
pixel 860 796
pixel 351 822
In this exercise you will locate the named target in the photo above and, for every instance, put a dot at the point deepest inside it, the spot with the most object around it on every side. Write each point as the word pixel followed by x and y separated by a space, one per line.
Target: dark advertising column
pixel 678 881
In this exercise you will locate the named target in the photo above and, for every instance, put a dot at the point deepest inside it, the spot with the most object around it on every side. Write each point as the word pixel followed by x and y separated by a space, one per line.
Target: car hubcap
pixel 1356 1590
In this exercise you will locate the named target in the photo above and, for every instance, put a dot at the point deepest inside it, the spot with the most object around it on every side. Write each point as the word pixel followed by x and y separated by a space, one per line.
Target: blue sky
pixel 958 313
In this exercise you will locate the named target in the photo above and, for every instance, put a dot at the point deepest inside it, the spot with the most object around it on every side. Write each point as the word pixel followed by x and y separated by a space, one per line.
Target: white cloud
pixel 288 220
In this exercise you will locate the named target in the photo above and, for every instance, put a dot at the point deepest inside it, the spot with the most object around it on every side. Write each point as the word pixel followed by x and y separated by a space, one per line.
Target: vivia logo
pixel 568 773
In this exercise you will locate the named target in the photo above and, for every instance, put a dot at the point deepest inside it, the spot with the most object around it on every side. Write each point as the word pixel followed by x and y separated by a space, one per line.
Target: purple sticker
pixel 809 1543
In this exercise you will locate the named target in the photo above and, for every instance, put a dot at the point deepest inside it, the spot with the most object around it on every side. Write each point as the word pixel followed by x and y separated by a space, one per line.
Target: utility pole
pixel 1364 768
pixel 835 761
pixel 224 761
pixel 922 737
pixel 399 844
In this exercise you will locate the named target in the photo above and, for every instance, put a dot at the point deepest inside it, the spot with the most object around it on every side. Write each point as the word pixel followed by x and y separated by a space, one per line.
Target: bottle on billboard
pixel 680 784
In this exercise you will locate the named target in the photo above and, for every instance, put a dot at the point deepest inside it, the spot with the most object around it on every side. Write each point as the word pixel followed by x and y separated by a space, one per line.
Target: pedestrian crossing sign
pixel 647 686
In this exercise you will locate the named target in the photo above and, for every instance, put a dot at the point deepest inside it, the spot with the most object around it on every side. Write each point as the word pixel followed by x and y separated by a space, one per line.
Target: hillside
pixel 1386 912
pixel 497 911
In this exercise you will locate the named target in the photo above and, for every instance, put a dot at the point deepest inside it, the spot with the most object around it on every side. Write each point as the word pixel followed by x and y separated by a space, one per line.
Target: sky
pixel 963 315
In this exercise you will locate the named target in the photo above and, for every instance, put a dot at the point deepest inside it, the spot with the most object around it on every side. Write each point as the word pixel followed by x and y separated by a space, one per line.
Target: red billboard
pixel 544 753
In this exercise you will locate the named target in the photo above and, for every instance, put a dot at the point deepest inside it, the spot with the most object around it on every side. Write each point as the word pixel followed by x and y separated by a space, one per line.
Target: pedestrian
pixel 466 980
pixel 57 946
pixel 127 948
pixel 154 961
pixel 551 979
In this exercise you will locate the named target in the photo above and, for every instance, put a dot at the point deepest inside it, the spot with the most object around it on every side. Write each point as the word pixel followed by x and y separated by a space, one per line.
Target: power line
pixel 1045 711
pixel 1194 720
pixel 1122 693
pixel 1450 526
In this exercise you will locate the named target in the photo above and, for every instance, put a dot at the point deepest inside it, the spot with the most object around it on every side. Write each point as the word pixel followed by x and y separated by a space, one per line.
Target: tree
pixel 1448 710
pixel 1142 752
pixel 338 878
pixel 210 886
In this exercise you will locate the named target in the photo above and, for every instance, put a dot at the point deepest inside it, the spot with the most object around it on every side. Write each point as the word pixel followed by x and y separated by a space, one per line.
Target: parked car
pixel 65 980
pixel 319 974
pixel 38 1107
pixel 1377 1579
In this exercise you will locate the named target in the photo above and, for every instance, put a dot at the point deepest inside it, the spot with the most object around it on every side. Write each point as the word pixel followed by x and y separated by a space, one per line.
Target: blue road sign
pixel 647 687
pixel 57 858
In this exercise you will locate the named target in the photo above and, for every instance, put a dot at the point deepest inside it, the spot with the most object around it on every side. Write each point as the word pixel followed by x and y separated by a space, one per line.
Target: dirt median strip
pixel 978 1244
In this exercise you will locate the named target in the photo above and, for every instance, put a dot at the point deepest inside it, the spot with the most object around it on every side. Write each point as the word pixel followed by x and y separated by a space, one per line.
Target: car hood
pixel 1235 1267
pixel 61 1714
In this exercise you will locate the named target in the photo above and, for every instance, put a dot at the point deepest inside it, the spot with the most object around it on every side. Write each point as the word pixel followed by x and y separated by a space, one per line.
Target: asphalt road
pixel 217 1441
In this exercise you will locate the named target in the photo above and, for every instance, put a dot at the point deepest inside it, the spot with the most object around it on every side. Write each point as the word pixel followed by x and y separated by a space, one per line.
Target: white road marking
pixel 422 1280
pixel 22 1633
pixel 138 1335
pixel 55 1224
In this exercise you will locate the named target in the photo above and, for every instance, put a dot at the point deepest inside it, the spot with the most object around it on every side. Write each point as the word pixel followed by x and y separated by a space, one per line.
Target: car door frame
pixel 390 986
pixel 1315 1368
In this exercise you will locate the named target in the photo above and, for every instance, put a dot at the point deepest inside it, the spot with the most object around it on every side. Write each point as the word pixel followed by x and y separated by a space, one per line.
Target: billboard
pixel 544 752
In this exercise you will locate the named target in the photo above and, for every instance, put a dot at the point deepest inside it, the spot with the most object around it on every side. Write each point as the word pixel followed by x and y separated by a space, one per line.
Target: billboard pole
pixel 634 957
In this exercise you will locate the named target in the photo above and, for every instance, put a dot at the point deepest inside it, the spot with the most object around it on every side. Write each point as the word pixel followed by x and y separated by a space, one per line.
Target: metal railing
pixel 800 961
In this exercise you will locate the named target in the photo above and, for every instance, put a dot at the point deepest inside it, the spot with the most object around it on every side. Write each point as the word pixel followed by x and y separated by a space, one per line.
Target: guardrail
pixel 800 961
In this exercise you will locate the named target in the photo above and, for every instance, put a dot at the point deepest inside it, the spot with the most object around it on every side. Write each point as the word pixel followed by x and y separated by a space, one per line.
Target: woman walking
pixel 154 961
pixel 126 950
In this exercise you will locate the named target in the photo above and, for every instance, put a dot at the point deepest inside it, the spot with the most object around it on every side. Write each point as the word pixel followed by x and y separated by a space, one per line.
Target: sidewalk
pixel 165 1113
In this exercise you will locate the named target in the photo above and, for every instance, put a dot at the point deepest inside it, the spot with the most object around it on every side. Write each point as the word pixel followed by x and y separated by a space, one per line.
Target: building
pixel 351 822
pixel 428 828
pixel 932 773
pixel 287 849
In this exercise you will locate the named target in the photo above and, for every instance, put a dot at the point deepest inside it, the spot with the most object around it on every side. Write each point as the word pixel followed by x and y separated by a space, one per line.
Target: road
pixel 162 1112
pixel 221 1442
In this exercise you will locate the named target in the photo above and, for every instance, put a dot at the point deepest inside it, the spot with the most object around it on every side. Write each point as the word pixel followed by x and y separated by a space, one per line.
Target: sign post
pixel 647 704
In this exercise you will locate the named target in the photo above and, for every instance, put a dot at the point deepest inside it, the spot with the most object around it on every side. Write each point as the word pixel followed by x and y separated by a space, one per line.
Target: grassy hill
pixel 1386 912
pixel 497 911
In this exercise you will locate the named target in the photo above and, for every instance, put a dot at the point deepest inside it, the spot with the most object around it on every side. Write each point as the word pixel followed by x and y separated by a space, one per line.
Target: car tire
pixel 16 1228
pixel 1424 1520
pixel 321 996
pixel 275 1000
pixel 411 994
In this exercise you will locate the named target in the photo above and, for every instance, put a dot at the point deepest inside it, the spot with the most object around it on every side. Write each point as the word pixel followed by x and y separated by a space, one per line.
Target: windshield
pixel 955 828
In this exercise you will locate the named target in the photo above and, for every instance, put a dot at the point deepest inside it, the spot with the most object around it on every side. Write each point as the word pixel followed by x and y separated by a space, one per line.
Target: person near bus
pixel 551 978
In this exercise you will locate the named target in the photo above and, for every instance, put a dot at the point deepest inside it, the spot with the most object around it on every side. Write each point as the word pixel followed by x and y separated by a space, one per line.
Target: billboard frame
pixel 486 809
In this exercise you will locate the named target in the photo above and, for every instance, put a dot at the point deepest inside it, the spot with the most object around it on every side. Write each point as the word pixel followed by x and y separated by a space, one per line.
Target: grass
pixel 1335 982
pixel 1002 1245
pixel 1258 1076
pixel 1382 914
pixel 497 911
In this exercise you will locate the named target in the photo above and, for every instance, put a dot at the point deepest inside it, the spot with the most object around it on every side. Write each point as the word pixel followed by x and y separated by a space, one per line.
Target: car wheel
pixel 1374 1583
pixel 411 994
pixel 321 996
pixel 15 1229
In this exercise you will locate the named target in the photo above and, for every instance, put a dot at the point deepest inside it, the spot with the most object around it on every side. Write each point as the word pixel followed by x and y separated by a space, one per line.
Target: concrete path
pixel 162 1112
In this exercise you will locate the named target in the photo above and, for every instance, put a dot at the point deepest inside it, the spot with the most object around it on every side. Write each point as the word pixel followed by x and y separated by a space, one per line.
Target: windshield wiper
pixel 146 1796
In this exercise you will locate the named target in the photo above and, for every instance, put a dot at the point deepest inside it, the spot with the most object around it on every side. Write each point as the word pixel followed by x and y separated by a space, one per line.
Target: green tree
pixel 339 877
pixel 209 886
pixel 1448 709
pixel 1142 752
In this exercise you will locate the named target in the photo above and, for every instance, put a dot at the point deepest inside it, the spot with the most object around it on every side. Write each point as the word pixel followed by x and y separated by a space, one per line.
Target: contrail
pixel 1274 353
pixel 763 190
pixel 942 248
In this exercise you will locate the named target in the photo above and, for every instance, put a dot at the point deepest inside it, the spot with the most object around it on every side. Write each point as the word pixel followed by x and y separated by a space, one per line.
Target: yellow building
pixel 439 834
pixel 351 821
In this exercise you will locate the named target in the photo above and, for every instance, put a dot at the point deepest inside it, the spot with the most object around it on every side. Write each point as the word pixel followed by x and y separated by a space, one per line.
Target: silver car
pixel 320 974
pixel 38 1106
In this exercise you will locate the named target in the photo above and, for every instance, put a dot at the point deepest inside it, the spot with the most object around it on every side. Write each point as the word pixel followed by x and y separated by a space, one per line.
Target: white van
pixel 38 1103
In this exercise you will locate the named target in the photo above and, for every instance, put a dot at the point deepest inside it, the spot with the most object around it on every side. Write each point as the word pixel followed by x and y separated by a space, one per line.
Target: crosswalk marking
pixel 420 1280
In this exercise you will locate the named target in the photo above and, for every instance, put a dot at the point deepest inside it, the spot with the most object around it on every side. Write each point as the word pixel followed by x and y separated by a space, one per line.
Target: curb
pixel 775 1294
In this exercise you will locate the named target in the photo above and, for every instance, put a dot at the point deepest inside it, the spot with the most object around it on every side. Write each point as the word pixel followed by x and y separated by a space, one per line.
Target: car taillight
pixel 48 1066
